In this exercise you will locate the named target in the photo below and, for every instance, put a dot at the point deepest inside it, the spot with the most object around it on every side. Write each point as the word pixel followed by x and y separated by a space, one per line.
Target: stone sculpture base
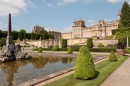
pixel 12 52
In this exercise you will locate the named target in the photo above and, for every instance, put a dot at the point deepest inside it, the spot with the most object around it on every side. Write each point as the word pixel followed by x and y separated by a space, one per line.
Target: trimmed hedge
pixel 102 49
pixel 55 48
pixel 35 49
pixel 64 43
pixel 100 45
pixel 40 50
pixel 112 56
pixel 84 67
pixel 47 49
pixel 77 49
pixel 70 51
pixel 89 42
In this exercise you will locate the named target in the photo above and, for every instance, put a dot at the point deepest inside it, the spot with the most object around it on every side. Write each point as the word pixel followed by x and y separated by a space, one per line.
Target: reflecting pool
pixel 13 73
pixel 16 72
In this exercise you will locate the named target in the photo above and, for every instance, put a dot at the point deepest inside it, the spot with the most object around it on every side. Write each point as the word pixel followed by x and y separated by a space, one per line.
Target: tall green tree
pixel 32 36
pixel 125 15
pixel 22 34
pixel 15 34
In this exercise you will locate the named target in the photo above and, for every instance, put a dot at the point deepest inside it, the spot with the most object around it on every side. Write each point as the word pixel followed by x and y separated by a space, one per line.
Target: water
pixel 16 72
pixel 13 73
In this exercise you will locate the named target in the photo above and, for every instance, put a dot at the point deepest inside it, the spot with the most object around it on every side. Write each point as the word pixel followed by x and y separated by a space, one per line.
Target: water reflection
pixel 11 68
pixel 66 60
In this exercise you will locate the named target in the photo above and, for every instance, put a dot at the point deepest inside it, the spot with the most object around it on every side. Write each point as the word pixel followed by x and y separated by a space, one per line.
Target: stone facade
pixel 101 29
pixel 56 35
pixel 66 35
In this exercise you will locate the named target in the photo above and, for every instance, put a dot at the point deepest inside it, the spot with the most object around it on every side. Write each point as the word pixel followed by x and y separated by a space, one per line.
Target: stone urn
pixel 121 52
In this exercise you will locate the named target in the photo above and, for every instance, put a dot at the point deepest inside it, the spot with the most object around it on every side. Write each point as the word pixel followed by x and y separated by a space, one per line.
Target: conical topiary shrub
pixel 70 51
pixel 112 56
pixel 39 49
pixel 84 67
pixel 55 48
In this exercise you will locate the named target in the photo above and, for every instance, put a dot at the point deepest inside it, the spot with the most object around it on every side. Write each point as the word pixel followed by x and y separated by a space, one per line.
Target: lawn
pixel 104 69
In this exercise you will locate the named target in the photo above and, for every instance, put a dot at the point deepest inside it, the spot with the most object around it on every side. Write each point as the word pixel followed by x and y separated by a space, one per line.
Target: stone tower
pixel 77 28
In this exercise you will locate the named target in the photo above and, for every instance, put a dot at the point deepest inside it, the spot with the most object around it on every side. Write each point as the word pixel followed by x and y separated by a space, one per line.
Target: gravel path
pixel 120 77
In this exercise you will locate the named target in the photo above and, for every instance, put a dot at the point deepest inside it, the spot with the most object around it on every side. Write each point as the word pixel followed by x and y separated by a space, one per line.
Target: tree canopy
pixel 125 15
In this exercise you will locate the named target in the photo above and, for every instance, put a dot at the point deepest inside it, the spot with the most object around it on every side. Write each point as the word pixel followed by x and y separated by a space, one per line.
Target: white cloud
pixel 90 21
pixel 109 20
pixel 115 1
pixel 64 29
pixel 14 7
pixel 63 2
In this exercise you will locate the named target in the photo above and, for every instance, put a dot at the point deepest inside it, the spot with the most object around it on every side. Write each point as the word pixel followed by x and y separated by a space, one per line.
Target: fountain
pixel 10 51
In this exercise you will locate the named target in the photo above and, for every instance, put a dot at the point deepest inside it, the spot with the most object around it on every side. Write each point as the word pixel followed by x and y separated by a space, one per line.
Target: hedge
pixel 89 42
pixel 64 43
pixel 77 49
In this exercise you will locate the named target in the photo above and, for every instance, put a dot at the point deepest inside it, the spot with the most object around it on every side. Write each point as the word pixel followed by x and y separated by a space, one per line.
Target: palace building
pixel 101 29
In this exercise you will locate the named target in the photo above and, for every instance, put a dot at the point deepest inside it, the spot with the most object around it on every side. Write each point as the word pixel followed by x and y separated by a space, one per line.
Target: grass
pixel 104 69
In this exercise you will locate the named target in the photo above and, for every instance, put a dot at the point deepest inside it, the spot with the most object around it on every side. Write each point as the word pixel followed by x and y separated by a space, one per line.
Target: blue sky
pixel 56 15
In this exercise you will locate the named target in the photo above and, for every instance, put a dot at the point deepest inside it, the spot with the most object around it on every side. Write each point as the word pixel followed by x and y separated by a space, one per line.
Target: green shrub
pixel 35 49
pixel 55 48
pixel 111 45
pixel 40 49
pixel 100 45
pixel 127 50
pixel 2 42
pixel 45 49
pixel 50 46
pixel 0 48
pixel 112 56
pixel 89 43
pixel 63 49
pixel 102 49
pixel 84 67
pixel 64 43
pixel 70 51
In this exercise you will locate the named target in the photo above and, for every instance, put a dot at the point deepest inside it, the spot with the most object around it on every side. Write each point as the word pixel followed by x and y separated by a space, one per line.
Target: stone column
pixel 9 40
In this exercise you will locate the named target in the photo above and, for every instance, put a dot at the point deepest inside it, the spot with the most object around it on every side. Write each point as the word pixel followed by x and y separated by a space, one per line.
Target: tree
pixel 28 35
pixel 15 35
pixel 40 30
pixel 84 67
pixel 125 15
pixel 22 34
pixel 33 36
pixel 51 36
pixel 2 42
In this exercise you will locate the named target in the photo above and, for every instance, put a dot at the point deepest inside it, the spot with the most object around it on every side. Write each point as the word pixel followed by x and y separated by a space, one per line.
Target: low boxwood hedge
pixel 77 49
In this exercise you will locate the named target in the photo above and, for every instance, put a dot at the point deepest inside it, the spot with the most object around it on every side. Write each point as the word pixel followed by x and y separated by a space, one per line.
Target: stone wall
pixel 46 43
pixel 77 41
pixel 104 42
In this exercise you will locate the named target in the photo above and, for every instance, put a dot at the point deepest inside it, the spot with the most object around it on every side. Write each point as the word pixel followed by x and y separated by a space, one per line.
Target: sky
pixel 56 15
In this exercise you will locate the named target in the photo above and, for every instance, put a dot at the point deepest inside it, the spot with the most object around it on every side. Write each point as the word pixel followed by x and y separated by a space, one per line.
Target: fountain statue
pixel 10 51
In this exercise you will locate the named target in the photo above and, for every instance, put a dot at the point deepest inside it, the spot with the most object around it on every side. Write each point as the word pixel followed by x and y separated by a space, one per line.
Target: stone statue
pixel 10 51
